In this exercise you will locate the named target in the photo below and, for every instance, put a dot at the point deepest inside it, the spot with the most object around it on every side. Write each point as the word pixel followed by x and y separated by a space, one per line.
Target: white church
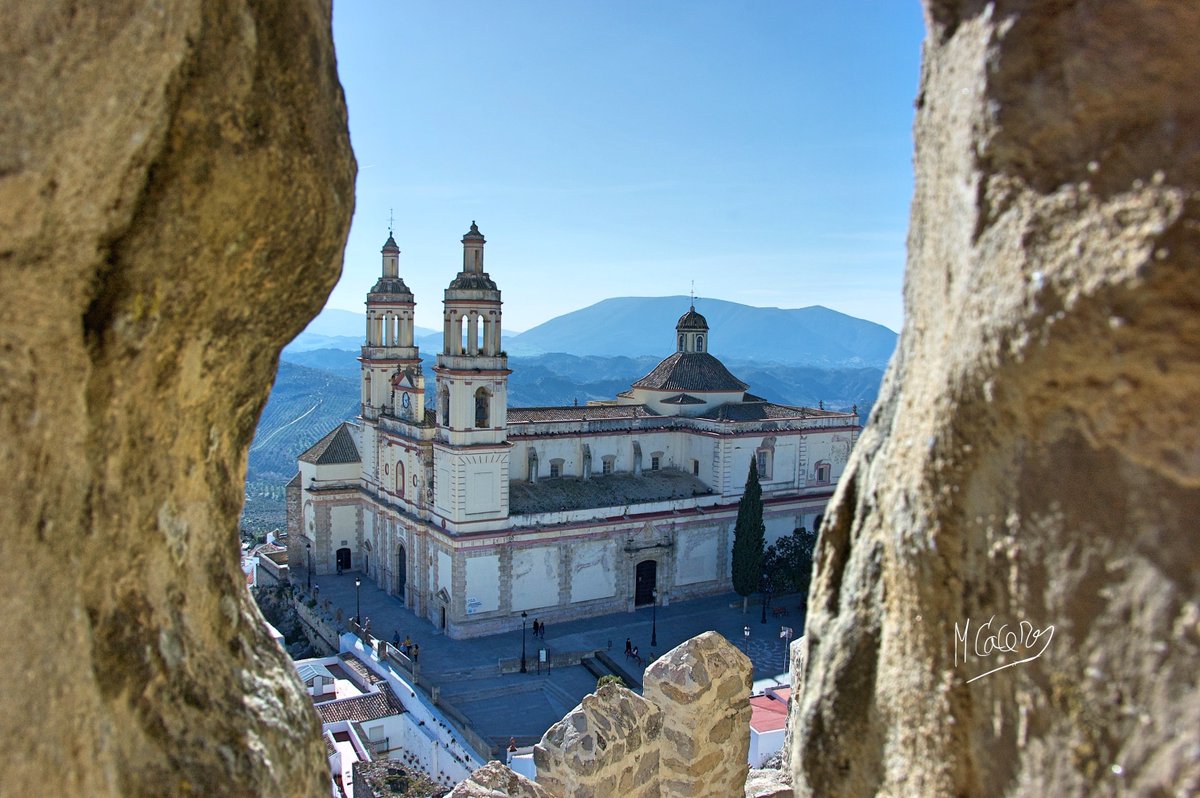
pixel 473 512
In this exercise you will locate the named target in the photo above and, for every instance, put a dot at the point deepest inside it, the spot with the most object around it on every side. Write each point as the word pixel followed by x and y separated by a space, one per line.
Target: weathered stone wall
pixel 1033 454
pixel 703 687
pixel 608 745
pixel 495 780
pixel 176 185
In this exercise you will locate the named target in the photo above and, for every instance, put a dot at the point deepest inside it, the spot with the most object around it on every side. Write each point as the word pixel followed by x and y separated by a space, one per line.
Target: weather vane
pixel 693 293
pixel 391 221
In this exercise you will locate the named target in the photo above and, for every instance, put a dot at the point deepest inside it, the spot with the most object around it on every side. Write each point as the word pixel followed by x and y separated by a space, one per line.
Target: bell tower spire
pixel 472 393
pixel 391 362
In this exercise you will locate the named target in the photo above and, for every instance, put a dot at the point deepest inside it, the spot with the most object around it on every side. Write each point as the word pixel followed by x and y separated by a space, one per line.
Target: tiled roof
pixel 682 399
pixel 336 447
pixel 767 714
pixel 390 244
pixel 556 494
pixel 393 286
pixel 363 674
pixel 363 708
pixel 698 372
pixel 518 415
pixel 473 281
pixel 754 411
pixel 294 482
pixel 691 321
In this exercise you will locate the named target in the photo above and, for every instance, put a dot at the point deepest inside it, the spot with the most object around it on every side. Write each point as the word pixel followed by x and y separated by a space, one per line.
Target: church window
pixel 695 468
pixel 556 467
pixel 655 461
pixel 445 397
pixel 822 471
pixel 609 463
pixel 482 407
pixel 681 343
pixel 400 479
pixel 699 343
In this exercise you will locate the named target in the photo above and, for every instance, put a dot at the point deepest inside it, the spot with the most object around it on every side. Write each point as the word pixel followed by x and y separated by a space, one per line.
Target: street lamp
pixel 654 621
pixel 524 615
pixel 746 634
pixel 357 606
pixel 766 583
pixel 308 548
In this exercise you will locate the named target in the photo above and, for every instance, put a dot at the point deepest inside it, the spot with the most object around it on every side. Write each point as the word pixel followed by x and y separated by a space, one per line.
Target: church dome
pixel 691 321
pixel 473 281
pixel 691 372
pixel 473 234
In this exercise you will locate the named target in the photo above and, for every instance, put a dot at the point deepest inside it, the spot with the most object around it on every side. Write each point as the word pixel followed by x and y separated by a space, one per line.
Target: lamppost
pixel 524 615
pixel 746 634
pixel 357 606
pixel 308 548
pixel 654 621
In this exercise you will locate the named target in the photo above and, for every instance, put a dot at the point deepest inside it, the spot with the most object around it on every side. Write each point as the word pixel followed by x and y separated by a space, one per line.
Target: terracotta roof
pixel 336 447
pixel 277 557
pixel 691 321
pixel 767 714
pixel 697 372
pixel 519 415
pixel 294 482
pixel 360 709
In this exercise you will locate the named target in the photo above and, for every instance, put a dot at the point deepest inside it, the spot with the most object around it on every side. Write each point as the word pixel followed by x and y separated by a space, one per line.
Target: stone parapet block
pixel 702 687
pixel 606 746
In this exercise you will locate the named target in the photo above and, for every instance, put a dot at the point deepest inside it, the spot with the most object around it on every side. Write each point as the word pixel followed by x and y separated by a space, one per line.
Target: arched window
pixel 483 402
pixel 681 343
pixel 822 472
pixel 556 467
pixel 445 397
pixel 533 464
pixel 699 343
pixel 400 478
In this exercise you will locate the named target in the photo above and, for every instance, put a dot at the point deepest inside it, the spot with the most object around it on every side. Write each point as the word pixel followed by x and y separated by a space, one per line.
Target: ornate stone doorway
pixel 645 582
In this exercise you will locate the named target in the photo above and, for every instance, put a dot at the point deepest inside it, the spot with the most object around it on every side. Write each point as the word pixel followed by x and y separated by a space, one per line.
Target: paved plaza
pixel 524 705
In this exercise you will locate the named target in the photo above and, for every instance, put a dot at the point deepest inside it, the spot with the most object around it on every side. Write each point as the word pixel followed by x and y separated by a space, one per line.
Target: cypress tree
pixel 748 536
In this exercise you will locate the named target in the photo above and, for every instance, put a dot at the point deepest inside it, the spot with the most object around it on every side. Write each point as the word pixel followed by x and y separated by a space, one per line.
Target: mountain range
pixel 645 326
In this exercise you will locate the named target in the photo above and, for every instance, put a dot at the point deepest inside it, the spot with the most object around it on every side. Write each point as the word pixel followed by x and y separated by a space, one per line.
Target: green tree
pixel 609 678
pixel 789 561
pixel 748 536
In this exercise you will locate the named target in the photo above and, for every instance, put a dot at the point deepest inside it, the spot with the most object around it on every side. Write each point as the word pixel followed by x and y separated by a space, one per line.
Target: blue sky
pixel 762 149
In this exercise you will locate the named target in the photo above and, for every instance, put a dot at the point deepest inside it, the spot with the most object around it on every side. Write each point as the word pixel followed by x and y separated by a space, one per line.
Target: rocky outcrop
pixel 608 745
pixel 1033 454
pixel 494 780
pixel 768 783
pixel 176 185
pixel 703 688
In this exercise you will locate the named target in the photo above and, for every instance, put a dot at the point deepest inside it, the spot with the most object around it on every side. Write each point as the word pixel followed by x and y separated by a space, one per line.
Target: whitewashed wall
pixel 695 556
pixel 593 571
pixel 483 584
pixel 534 578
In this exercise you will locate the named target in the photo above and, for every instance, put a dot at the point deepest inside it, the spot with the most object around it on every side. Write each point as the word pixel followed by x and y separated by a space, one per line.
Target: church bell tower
pixel 471 448
pixel 392 383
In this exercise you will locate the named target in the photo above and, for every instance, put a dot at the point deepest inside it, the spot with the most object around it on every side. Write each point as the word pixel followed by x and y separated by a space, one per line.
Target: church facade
pixel 472 512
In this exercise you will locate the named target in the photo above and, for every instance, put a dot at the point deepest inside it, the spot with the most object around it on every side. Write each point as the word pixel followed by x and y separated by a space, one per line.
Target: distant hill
pixel 630 326
pixel 305 403
pixel 334 328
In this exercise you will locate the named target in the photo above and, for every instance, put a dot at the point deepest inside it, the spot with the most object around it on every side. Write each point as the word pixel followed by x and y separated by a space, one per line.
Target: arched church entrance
pixel 401 572
pixel 644 582
pixel 343 559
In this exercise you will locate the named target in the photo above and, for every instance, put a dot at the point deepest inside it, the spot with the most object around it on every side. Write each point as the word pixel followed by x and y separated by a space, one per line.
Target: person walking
pixel 416 655
pixel 628 647
pixel 542 631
